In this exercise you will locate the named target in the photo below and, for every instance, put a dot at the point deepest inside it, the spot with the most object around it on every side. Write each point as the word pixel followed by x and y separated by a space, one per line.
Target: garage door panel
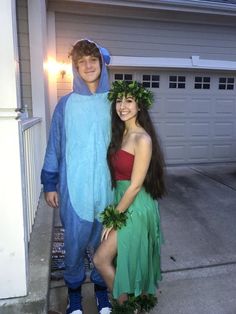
pixel 175 153
pixel 199 152
pixel 225 107
pixel 222 151
pixel 200 107
pixel 224 130
pixel 175 130
pixel 176 106
pixel 199 130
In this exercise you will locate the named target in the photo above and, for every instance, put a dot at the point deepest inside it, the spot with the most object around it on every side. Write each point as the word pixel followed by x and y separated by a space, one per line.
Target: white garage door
pixel 194 113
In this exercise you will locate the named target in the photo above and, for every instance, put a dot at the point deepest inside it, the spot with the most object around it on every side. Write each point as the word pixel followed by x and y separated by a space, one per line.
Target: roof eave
pixel 196 6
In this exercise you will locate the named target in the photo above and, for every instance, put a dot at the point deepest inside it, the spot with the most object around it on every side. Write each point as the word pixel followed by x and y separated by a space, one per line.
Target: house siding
pixel 135 37
pixel 24 54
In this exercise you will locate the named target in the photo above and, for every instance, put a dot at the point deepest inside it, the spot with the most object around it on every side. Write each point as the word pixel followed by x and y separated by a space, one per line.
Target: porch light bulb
pixel 51 66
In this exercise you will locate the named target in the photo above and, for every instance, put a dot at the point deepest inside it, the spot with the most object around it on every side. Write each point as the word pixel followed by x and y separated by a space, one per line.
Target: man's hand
pixel 52 199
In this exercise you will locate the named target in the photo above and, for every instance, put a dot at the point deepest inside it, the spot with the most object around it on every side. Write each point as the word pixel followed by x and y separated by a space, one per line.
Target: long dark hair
pixel 154 181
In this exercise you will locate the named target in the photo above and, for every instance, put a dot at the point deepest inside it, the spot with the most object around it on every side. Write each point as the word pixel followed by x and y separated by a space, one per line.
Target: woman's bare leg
pixel 103 260
pixel 104 256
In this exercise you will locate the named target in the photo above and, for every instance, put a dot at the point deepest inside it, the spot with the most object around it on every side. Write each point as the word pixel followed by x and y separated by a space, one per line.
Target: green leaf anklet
pixel 140 304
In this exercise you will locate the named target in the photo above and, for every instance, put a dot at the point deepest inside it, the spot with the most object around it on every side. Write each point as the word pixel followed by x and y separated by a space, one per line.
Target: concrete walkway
pixel 199 254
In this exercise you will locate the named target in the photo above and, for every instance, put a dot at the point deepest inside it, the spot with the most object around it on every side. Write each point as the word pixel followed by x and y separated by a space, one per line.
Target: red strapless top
pixel 122 164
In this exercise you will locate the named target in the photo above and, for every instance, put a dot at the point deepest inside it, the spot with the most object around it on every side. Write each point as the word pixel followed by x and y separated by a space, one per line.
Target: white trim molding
pixel 38 53
pixel 51 53
pixel 193 62
pixel 210 7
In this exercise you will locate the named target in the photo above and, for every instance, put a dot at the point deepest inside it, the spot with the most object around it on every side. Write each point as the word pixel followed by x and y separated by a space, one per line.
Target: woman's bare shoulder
pixel 143 140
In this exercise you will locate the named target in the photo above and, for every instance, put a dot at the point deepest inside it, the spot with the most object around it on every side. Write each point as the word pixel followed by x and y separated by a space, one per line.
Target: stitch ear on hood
pixel 105 53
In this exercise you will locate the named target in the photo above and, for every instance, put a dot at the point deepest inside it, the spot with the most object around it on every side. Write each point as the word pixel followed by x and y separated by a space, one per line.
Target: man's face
pixel 89 69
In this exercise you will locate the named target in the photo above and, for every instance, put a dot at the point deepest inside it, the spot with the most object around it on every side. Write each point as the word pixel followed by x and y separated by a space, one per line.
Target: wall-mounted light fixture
pixel 64 69
pixel 56 69
pixel 63 73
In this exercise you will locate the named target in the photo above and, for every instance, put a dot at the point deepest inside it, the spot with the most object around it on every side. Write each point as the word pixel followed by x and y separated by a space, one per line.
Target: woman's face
pixel 127 108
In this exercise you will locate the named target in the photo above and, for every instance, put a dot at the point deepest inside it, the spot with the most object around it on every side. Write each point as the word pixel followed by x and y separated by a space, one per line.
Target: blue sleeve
pixel 49 180
pixel 50 171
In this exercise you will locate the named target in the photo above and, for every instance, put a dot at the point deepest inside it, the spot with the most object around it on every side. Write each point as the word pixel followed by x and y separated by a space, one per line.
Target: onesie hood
pixel 80 87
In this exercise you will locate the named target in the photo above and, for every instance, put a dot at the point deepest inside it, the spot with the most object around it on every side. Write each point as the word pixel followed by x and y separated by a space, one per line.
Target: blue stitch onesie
pixel 75 165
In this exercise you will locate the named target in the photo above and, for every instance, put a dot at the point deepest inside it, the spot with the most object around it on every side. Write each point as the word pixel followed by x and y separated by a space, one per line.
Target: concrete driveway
pixel 199 254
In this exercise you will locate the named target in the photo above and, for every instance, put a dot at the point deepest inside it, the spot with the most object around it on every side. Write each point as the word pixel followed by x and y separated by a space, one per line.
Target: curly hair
pixel 84 48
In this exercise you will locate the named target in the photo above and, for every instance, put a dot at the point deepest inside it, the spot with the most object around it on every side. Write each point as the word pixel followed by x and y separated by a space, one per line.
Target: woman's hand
pixel 105 233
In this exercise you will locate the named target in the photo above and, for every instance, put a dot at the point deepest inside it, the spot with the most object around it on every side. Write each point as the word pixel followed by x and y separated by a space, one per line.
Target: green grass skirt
pixel 138 246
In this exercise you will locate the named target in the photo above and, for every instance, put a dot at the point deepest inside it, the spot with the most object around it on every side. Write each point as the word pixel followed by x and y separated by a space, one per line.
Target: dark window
pixel 206 86
pixel 198 79
pixel 221 86
pixel 202 82
pixel 181 78
pixel 206 79
pixel 226 83
pixel 177 81
pixel 173 78
pixel 172 85
pixel 118 77
pixel 150 80
pixel 156 78
pixel 146 84
pixel 146 77
pixel 197 86
pixel 155 84
pixel 126 77
pixel 222 80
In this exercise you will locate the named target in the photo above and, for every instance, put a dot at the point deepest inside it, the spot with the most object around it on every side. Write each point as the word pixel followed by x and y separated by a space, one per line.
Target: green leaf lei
pixel 112 218
pixel 140 304
pixel 142 95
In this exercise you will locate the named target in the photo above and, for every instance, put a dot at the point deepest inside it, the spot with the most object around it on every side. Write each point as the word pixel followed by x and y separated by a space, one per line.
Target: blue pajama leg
pixel 76 239
pixel 94 241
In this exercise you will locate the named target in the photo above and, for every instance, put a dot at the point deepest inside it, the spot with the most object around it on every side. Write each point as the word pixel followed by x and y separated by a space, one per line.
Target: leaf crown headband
pixel 142 95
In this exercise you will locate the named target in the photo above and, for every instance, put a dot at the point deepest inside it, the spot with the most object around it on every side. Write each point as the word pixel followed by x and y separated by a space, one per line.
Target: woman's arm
pixel 142 157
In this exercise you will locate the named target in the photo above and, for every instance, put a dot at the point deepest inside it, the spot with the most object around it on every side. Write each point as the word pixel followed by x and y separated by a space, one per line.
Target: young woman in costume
pixel 129 255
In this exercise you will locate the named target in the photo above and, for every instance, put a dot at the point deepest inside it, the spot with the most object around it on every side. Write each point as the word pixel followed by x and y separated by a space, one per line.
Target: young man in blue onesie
pixel 75 174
